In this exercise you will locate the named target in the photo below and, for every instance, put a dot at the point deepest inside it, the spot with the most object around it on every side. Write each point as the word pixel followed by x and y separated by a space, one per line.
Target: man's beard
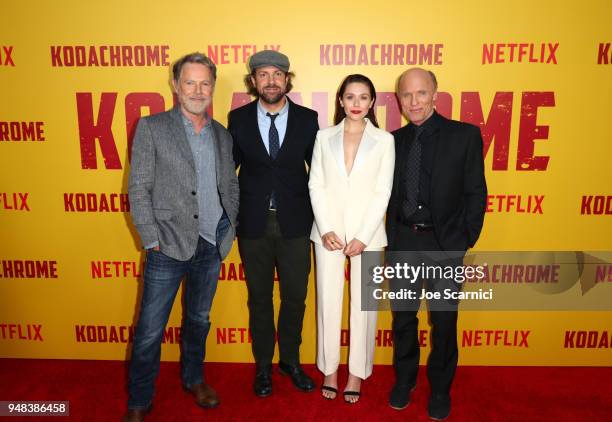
pixel 272 98
pixel 195 107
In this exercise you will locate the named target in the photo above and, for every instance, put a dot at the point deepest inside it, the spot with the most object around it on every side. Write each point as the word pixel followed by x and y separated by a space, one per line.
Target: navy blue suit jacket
pixel 286 176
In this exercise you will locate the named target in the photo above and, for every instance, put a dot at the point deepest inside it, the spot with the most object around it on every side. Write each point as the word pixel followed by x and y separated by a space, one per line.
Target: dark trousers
pixel 443 358
pixel 292 260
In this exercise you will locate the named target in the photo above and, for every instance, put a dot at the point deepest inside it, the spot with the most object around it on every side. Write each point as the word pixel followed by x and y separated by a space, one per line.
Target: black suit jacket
pixel 458 187
pixel 259 175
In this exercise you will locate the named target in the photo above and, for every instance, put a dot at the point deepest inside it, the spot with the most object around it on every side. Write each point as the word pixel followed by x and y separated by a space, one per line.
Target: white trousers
pixel 362 324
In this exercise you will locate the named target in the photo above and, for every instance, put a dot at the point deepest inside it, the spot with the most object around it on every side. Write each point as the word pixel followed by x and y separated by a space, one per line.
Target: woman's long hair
pixel 339 114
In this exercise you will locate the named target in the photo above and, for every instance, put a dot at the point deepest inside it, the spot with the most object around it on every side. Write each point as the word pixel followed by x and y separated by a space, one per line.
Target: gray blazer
pixel 162 185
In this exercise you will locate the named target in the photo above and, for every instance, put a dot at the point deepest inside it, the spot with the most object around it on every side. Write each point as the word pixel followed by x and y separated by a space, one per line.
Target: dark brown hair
pixel 252 89
pixel 339 114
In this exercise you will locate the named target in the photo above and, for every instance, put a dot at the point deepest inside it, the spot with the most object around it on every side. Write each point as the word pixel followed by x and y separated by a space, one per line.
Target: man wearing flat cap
pixel 273 143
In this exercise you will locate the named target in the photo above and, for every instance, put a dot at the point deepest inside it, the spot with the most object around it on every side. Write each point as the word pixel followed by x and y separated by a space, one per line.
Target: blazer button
pixel 195 216
pixel 193 192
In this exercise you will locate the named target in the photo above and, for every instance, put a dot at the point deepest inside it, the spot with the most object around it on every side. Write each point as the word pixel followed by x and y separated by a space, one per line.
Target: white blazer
pixel 352 206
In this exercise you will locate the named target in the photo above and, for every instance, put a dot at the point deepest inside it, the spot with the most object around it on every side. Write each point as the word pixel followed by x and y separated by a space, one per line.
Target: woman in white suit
pixel 350 183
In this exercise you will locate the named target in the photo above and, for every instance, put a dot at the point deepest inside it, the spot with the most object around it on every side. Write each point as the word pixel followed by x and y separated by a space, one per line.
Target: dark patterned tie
pixel 273 136
pixel 412 173
pixel 274 146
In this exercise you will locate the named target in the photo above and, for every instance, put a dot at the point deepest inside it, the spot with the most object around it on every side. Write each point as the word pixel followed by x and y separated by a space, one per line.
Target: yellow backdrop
pixel 75 77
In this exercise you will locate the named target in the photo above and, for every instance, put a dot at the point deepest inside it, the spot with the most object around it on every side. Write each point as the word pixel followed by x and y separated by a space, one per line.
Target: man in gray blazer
pixel 183 195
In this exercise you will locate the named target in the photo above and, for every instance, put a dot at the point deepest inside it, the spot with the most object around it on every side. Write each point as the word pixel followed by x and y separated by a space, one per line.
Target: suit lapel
pixel 400 154
pixel 292 123
pixel 178 134
pixel 253 127
pixel 402 148
pixel 435 134
pixel 367 143
pixel 336 145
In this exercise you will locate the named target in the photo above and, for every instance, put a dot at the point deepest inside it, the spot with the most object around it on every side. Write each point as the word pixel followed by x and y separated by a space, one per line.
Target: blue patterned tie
pixel 274 146
pixel 273 136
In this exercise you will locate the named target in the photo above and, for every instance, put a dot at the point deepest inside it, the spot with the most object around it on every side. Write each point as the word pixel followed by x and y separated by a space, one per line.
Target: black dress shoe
pixel 400 396
pixel 299 378
pixel 439 406
pixel 263 380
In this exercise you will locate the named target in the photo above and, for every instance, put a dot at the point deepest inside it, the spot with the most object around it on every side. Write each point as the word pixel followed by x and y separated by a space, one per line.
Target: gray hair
pixel 193 58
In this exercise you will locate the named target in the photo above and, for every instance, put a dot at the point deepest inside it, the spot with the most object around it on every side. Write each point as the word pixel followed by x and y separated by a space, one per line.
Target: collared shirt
pixel 209 204
pixel 428 148
pixel 280 122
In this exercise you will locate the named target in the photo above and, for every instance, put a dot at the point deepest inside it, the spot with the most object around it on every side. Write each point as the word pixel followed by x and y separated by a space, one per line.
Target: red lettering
pixel 80 333
pixel 529 131
pixel 102 130
pixel 496 130
pixel 221 336
pixel 585 207
pixel 133 105
pixel 168 336
pixel 603 53
pixel 423 334
pixel 239 99
pixel 113 337
pixel 56 59
pixel 487 53
pixel 393 119
pixel 319 103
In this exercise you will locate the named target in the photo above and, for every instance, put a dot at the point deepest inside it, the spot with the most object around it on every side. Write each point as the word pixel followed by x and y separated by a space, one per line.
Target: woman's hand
pixel 332 242
pixel 354 247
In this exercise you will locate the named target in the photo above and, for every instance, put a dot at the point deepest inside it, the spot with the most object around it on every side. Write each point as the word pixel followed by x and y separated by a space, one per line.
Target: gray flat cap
pixel 269 58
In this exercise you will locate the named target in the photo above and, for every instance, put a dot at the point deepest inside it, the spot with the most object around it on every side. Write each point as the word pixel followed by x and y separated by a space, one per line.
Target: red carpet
pixel 96 392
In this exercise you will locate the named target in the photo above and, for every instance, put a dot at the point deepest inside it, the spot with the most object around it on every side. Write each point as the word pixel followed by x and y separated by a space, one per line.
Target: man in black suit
pixel 273 143
pixel 437 204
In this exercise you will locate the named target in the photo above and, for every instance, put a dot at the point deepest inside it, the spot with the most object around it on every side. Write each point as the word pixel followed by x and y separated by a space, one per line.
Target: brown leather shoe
pixel 135 415
pixel 205 395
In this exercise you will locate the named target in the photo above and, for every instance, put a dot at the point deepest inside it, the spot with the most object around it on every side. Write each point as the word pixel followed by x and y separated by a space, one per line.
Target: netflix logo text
pixel 503 338
pixel 28 332
pixel 14 201
pixel 603 274
pixel 544 53
pixel 236 53
pixel 6 56
pixel 516 204
pixel 116 269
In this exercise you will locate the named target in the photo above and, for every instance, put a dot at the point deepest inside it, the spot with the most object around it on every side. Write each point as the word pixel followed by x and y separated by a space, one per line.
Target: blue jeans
pixel 162 277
